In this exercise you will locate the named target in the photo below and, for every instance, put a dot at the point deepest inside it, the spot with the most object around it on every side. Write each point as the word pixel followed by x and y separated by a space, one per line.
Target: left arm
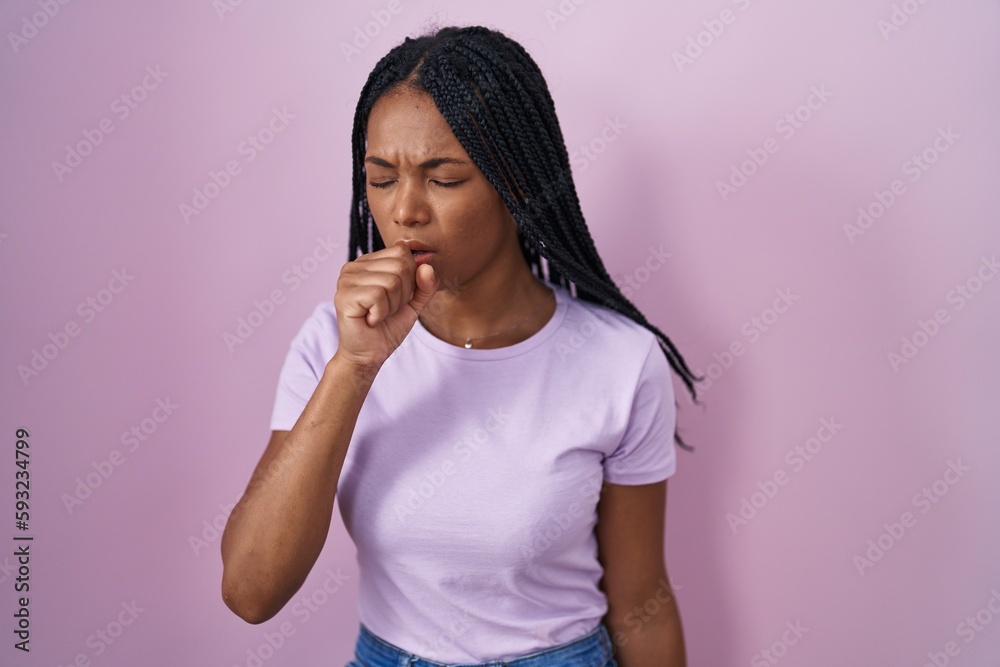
pixel 643 618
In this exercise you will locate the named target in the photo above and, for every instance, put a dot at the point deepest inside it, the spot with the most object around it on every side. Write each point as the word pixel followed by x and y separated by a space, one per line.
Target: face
pixel 423 186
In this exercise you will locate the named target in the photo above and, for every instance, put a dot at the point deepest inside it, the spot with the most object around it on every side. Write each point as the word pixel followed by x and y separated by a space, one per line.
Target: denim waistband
pixel 594 649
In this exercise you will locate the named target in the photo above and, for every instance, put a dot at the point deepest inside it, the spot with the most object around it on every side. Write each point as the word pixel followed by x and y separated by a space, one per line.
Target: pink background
pixel 681 131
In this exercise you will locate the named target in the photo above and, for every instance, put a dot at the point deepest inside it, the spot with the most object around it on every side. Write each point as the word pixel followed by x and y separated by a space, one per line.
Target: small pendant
pixel 468 343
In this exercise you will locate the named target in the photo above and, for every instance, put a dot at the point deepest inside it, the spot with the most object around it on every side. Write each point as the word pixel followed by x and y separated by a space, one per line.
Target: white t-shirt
pixel 471 482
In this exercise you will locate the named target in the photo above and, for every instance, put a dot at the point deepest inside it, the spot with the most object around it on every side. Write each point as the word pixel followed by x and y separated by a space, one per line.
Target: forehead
pixel 407 122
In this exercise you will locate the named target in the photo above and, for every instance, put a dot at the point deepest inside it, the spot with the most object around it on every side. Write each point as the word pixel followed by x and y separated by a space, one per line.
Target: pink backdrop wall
pixel 835 489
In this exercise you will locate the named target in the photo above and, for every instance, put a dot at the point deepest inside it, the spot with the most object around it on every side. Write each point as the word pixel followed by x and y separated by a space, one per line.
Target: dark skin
pixel 477 250
pixel 630 531
pixel 423 186
pixel 487 285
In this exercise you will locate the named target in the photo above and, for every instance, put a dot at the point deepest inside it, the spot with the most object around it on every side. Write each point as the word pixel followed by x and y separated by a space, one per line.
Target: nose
pixel 410 206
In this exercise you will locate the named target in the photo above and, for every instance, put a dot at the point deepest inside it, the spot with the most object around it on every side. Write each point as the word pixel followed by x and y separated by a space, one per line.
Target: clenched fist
pixel 379 296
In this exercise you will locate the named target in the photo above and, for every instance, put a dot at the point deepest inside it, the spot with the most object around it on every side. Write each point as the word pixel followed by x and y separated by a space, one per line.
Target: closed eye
pixel 440 184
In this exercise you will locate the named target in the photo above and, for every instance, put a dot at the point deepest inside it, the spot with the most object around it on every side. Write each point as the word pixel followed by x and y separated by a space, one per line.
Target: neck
pixel 485 306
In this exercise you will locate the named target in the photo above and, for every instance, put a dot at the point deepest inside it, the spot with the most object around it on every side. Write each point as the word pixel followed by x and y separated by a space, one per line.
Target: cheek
pixel 480 216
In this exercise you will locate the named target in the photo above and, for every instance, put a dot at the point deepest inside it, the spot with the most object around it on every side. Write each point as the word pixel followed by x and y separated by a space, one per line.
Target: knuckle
pixel 404 265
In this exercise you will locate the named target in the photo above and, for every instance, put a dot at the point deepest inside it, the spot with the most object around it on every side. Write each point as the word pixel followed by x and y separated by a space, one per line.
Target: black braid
pixel 494 97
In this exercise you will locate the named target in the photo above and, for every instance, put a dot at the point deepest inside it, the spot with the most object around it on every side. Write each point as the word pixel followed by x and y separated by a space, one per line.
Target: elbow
pixel 245 604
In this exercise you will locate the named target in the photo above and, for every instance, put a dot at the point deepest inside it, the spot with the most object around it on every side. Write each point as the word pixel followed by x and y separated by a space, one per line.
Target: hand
pixel 379 296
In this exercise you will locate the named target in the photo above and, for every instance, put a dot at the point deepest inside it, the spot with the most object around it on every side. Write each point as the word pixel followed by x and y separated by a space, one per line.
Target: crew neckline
pixel 480 354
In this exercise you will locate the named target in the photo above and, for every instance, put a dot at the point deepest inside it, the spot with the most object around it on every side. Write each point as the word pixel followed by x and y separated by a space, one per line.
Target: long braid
pixel 495 99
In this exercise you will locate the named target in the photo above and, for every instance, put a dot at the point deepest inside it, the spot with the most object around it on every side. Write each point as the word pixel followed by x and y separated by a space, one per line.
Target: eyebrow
pixel 426 164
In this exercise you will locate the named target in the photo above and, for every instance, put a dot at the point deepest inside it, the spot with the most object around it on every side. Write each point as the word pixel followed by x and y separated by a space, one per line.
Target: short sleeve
pixel 647 452
pixel 310 350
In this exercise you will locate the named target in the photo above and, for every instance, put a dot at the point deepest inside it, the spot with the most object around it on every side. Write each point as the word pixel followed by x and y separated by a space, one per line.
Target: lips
pixel 422 253
pixel 416 247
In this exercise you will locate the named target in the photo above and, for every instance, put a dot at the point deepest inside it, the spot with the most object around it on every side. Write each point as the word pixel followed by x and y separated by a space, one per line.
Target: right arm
pixel 276 531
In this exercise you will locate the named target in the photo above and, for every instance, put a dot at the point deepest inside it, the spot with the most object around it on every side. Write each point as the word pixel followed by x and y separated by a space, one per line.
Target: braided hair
pixel 494 97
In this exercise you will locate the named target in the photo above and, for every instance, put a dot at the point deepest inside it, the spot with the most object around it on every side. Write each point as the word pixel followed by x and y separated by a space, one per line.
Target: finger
pixel 394 284
pixel 393 273
pixel 368 302
pixel 395 250
pixel 427 284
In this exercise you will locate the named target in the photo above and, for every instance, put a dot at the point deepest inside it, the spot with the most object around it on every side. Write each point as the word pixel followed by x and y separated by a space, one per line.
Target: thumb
pixel 427 285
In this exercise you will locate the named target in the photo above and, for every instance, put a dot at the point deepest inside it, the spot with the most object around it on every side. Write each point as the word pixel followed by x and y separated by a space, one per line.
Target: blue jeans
pixel 594 649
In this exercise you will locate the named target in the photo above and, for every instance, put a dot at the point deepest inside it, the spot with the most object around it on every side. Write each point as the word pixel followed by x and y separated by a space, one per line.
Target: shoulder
pixel 323 316
pixel 321 321
pixel 590 326
pixel 316 339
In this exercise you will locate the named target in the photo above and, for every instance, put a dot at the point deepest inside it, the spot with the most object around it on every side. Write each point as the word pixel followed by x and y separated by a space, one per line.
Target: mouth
pixel 422 256
pixel 421 253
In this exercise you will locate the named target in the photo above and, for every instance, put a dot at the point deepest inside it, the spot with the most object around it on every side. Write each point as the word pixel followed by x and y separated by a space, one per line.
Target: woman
pixel 496 419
